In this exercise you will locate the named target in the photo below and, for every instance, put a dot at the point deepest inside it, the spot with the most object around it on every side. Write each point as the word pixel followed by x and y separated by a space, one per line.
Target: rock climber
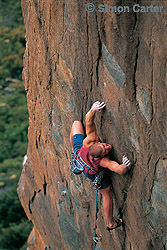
pixel 94 153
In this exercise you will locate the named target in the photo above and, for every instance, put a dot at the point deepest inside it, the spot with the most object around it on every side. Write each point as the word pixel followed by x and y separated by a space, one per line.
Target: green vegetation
pixel 14 226
pixel 10 13
pixel 13 123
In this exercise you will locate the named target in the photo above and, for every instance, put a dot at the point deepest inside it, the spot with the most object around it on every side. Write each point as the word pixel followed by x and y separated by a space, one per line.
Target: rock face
pixel 72 59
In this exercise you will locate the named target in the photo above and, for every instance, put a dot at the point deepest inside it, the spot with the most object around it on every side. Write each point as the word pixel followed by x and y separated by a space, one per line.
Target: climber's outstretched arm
pixel 114 166
pixel 91 133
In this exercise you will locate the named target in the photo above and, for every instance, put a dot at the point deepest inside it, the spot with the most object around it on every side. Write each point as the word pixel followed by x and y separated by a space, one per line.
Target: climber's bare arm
pixel 114 166
pixel 91 133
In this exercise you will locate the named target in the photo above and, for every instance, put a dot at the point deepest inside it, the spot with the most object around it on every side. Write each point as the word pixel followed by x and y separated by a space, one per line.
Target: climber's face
pixel 105 148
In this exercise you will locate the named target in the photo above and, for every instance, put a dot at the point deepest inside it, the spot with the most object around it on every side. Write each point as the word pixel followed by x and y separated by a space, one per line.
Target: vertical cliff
pixel 73 58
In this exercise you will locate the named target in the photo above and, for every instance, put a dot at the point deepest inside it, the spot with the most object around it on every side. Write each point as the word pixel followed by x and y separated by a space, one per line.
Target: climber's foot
pixel 117 223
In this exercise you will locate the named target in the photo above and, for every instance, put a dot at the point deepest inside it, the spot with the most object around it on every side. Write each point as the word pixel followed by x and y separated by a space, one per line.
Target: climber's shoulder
pixel 87 142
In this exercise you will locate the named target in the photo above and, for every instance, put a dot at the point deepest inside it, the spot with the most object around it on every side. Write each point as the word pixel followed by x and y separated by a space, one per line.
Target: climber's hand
pixel 98 106
pixel 125 161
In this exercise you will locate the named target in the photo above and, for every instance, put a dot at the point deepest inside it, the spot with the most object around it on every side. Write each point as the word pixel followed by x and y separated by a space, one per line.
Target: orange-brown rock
pixel 72 59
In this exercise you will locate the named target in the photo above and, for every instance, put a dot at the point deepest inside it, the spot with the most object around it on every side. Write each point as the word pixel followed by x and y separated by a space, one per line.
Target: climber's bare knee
pixel 77 128
pixel 106 191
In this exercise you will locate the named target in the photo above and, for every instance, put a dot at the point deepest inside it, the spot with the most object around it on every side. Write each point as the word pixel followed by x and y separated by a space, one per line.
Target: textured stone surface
pixel 72 59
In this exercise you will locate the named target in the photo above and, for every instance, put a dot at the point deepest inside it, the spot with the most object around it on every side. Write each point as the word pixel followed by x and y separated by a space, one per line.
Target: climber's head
pixel 99 149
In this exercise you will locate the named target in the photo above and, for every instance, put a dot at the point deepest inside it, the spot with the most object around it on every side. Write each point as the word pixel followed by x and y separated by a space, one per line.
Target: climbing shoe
pixel 117 223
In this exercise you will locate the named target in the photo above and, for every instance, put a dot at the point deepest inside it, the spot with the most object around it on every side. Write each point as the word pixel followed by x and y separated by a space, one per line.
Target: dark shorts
pixel 77 141
pixel 105 181
pixel 77 144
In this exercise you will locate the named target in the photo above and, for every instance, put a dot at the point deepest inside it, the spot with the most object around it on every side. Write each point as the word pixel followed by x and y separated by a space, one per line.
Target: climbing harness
pixel 78 164
pixel 77 167
pixel 97 183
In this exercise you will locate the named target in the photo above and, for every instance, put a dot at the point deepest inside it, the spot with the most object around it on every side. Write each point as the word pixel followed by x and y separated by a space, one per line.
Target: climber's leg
pixel 108 205
pixel 76 135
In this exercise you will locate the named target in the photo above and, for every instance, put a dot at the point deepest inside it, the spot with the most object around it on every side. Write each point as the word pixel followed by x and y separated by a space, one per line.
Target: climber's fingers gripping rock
pixel 125 161
pixel 98 106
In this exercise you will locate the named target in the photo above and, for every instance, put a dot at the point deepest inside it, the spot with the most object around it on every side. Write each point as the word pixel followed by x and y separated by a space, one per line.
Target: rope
pixel 95 219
